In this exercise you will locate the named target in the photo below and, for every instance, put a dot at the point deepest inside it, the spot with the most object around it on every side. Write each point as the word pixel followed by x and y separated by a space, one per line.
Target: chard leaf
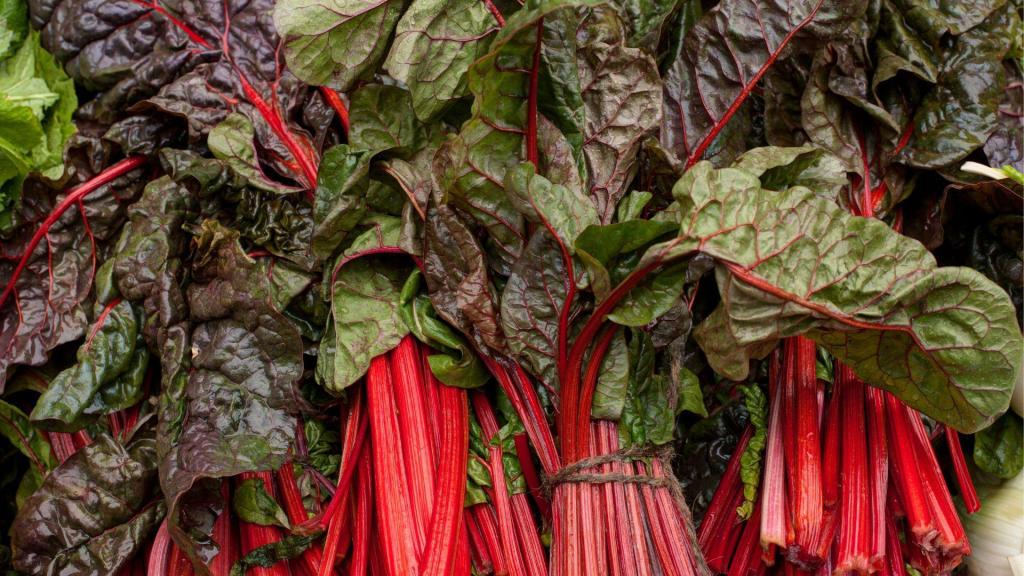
pixel 691 397
pixel 340 203
pixel 750 460
pixel 471 166
pixel 365 307
pixel 246 360
pixel 651 298
pixel 252 504
pixel 613 381
pixel 291 546
pixel 335 42
pixel 725 55
pixel 790 263
pixel 382 119
pixel 456 364
pixel 435 44
pixel 455 268
pixel 652 400
pixel 33 444
pixel 962 111
pixel 566 212
pixel 233 140
pixel 93 513
pixel 531 305
pixel 108 352
pixel 999 449
pixel 604 97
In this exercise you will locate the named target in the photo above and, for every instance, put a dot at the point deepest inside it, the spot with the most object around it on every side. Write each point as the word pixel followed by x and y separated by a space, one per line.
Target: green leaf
pixel 382 119
pixel 750 460
pixel 323 446
pixel 691 397
pixel 37 100
pixel 15 426
pixel 456 364
pixel 13 25
pixel 652 400
pixel 471 166
pixel 291 546
pixel 791 263
pixel 651 298
pixel 999 449
pixel 107 353
pixel 632 205
pixel 252 504
pixel 566 212
pixel 93 513
pixel 435 44
pixel 340 203
pixel 612 382
pixel 234 142
pixel 365 307
pixel 962 111
pixel 335 42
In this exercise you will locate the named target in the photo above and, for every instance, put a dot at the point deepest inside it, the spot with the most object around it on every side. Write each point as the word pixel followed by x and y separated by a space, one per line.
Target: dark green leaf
pixel 252 504
pixel 340 197
pixel 92 513
pixel 612 382
pixel 382 119
pixel 291 546
pixel 107 353
pixel 999 449
pixel 234 142
pixel 233 411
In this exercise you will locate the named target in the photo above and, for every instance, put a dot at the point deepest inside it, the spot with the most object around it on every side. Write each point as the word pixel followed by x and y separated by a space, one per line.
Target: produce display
pixel 511 287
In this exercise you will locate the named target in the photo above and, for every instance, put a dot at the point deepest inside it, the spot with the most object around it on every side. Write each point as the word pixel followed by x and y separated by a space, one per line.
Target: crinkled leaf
pixel 605 97
pixel 564 211
pixel 93 513
pixel 999 449
pixel 649 414
pixel 435 44
pixel 107 353
pixel 456 272
pixel 44 308
pixel 791 262
pixel 471 166
pixel 324 447
pixel 724 57
pixel 647 20
pixel 961 112
pixel 246 359
pixel 1005 147
pixel 335 42
pixel 651 298
pixel 531 304
pixel 252 504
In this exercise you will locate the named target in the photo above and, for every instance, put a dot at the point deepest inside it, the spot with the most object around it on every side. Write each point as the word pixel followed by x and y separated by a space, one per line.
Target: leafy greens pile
pixel 216 216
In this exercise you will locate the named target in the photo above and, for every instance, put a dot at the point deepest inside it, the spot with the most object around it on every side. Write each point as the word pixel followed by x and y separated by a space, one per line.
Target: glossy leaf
pixel 998 448
pixel 746 40
pixel 106 354
pixel 339 203
pixel 245 355
pixel 93 512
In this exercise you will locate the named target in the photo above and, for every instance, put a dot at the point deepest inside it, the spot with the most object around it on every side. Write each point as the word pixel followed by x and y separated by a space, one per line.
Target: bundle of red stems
pixel 851 484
